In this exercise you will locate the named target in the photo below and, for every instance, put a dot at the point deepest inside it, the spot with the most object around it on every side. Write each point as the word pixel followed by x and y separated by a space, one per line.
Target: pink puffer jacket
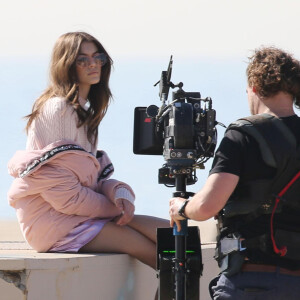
pixel 57 188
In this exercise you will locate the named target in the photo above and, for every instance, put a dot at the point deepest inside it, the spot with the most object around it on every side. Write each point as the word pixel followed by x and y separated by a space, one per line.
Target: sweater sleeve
pixel 124 193
pixel 114 189
pixel 66 195
pixel 57 121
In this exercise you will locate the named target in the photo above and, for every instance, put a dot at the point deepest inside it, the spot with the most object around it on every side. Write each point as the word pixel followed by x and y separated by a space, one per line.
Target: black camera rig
pixel 184 132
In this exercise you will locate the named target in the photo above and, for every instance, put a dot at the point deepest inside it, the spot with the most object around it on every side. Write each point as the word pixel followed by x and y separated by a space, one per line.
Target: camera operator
pixel 259 268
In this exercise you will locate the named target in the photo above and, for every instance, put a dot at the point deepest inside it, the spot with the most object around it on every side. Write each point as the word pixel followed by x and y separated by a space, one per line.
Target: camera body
pixel 183 131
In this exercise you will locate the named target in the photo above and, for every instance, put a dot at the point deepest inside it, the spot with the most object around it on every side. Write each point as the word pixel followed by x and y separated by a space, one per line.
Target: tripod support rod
pixel 180 242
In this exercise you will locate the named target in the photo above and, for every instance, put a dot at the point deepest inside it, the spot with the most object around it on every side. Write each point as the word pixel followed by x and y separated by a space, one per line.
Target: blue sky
pixel 209 40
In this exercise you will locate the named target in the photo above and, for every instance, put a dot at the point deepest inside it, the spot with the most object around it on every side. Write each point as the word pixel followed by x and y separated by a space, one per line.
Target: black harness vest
pixel 278 148
pixel 253 199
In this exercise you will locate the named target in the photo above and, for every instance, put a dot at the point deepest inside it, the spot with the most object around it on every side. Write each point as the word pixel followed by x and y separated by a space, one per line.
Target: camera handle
pixel 180 269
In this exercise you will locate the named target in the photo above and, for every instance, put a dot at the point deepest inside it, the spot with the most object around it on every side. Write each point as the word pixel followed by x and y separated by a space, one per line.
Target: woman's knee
pixel 123 239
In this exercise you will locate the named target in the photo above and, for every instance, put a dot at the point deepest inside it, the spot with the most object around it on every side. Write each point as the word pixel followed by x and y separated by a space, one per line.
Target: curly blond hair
pixel 272 70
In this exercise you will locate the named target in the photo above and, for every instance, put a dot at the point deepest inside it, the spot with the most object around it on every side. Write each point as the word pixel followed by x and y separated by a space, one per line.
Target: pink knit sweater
pixel 57 121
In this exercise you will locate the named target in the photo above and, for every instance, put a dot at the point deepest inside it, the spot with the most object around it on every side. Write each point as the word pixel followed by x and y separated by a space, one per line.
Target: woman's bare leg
pixel 137 239
pixel 123 239
pixel 147 225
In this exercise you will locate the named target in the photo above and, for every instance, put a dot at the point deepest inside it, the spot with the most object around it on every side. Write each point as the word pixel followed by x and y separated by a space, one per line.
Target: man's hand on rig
pixel 175 205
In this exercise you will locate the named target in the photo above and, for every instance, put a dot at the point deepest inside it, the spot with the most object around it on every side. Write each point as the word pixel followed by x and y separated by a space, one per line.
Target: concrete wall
pixel 27 275
pixel 35 276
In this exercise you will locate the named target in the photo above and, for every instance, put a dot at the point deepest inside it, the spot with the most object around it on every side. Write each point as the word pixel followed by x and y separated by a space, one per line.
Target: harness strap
pixel 283 250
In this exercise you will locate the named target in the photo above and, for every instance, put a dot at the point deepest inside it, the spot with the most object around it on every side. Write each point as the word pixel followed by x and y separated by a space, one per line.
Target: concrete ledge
pixel 53 276
pixel 34 276
pixel 28 275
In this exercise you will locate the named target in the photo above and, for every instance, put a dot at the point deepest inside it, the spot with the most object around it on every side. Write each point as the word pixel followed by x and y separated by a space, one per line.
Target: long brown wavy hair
pixel 63 83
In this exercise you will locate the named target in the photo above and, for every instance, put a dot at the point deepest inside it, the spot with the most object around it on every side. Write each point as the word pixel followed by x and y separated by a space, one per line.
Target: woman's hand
pixel 127 211
pixel 175 204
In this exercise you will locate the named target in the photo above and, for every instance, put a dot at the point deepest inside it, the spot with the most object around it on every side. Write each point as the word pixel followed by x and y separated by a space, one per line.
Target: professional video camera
pixel 182 130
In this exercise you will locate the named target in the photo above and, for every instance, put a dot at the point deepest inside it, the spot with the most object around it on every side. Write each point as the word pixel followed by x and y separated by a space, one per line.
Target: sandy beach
pixel 10 231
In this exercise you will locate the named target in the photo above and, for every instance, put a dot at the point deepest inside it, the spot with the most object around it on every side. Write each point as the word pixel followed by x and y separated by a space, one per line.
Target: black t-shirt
pixel 239 154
